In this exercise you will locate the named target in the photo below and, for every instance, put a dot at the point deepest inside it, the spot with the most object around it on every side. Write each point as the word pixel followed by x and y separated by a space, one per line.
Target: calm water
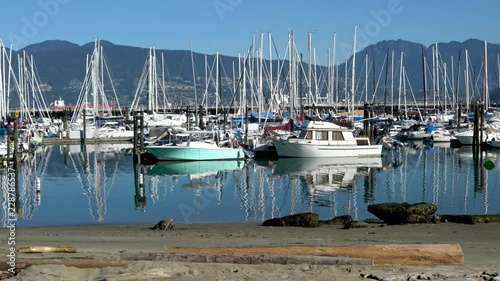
pixel 102 186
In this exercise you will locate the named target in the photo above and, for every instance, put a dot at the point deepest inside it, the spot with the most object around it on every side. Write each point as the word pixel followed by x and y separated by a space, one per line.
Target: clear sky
pixel 227 26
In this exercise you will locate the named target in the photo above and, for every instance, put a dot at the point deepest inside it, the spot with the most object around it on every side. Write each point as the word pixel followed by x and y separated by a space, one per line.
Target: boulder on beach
pixel 338 220
pixel 403 213
pixel 301 220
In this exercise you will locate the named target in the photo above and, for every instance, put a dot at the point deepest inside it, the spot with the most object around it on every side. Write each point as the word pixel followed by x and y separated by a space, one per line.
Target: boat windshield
pixel 305 135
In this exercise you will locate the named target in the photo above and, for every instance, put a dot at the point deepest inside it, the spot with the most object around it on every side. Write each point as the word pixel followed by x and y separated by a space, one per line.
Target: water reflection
pixel 100 184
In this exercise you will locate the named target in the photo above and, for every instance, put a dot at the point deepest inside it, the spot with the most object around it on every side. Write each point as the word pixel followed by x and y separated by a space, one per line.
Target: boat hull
pixel 182 153
pixel 291 149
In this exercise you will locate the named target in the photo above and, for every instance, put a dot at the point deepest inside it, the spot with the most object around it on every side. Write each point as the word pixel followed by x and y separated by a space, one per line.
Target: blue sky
pixel 227 26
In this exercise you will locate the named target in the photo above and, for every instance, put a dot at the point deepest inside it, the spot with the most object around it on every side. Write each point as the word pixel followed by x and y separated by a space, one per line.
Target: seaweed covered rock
pixel 356 224
pixel 301 220
pixel 338 220
pixel 403 213
pixel 470 219
pixel 164 225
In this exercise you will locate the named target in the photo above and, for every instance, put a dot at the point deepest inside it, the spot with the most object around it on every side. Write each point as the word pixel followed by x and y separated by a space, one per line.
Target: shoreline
pixel 104 244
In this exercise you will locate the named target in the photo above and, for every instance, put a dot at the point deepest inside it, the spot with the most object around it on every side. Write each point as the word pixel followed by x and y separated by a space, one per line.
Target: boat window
pixel 321 135
pixel 305 135
pixel 336 136
pixel 309 135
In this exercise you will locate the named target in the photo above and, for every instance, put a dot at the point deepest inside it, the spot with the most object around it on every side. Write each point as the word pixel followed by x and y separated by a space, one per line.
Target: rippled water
pixel 100 185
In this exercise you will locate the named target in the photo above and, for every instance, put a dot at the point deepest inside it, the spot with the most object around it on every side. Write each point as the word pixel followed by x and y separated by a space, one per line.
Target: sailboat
pixel 96 120
pixel 156 100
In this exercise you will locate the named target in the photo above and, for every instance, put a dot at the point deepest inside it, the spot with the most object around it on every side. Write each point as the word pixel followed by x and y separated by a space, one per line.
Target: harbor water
pixel 99 184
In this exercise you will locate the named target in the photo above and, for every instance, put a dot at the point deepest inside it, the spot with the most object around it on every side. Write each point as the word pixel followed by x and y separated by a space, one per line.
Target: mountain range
pixel 61 69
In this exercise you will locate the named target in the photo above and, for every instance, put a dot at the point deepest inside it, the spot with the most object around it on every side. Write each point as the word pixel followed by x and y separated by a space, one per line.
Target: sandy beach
pixel 100 251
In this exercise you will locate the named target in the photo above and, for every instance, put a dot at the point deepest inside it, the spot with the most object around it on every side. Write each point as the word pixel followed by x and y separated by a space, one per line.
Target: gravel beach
pixel 100 251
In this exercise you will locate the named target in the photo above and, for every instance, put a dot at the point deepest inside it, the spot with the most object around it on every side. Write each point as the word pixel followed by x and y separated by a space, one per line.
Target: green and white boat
pixel 195 151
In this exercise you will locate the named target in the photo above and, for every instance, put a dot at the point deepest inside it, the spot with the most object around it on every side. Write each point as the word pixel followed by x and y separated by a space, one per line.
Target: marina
pixel 100 184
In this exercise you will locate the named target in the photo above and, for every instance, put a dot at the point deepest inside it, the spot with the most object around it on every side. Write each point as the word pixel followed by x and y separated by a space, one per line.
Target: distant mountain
pixel 61 67
pixel 50 45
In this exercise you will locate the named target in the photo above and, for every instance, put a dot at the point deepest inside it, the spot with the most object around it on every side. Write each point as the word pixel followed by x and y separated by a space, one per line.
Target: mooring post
pixel 135 135
pixel 84 126
pixel 7 161
pixel 142 133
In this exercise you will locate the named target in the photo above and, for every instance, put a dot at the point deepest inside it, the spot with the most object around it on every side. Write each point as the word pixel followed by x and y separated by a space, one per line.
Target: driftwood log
pixel 412 254
pixel 47 249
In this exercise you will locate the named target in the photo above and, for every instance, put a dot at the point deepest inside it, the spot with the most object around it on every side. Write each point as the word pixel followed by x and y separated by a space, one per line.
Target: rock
pixel 403 213
pixel 164 225
pixel 470 219
pixel 373 221
pixel 338 220
pixel 301 220
pixel 356 224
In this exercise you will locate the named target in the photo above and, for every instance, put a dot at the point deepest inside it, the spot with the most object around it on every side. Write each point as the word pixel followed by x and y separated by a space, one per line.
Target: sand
pixel 100 249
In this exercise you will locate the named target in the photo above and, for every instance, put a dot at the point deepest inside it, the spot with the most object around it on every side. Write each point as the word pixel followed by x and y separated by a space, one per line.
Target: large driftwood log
pixel 245 259
pixel 414 254
pixel 47 249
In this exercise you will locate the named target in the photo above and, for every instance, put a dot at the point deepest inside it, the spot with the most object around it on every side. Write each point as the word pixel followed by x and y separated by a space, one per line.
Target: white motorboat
pixel 325 139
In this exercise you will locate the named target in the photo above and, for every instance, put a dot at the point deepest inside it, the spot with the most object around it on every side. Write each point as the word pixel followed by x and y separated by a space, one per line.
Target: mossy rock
pixel 164 225
pixel 300 220
pixel 373 221
pixel 471 219
pixel 338 220
pixel 403 213
pixel 356 224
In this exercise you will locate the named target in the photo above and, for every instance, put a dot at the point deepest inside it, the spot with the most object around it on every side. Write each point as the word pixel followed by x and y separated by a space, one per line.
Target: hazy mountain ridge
pixel 61 66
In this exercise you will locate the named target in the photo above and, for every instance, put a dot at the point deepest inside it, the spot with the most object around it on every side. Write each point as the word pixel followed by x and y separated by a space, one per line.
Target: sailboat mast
pixel 333 64
pixel 194 85
pixel 261 64
pixel 467 79
pixel 217 82
pixel 366 77
pixel 353 68
pixel 309 71
pixel 270 67
pixel 392 83
pixel 95 77
pixel 486 90
pixel 400 82
pixel 386 78
pixel 150 81
pixel 425 79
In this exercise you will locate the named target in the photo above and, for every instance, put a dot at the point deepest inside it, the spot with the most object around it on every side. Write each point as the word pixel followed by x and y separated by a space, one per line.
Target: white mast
pixel 194 85
pixel 486 91
pixel 333 64
pixel 205 98
pixel 400 82
pixel 366 77
pixel 270 67
pixel 244 88
pixel 498 67
pixel 404 92
pixel 217 84
pixel 309 70
pixel 95 73
pixel 467 79
pixel 392 83
pixel 353 68
pixel 261 64
pixel 2 84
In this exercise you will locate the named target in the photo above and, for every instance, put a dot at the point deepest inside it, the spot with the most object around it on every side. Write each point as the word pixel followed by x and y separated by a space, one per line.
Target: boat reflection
pixel 196 175
pixel 195 169
pixel 322 175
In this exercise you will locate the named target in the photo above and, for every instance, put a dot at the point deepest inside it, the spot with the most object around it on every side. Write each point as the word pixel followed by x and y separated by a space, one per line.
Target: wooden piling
pixel 84 127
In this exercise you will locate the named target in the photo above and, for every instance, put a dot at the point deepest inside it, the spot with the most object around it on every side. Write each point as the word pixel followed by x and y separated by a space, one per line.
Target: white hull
pixel 296 149
pixel 466 138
